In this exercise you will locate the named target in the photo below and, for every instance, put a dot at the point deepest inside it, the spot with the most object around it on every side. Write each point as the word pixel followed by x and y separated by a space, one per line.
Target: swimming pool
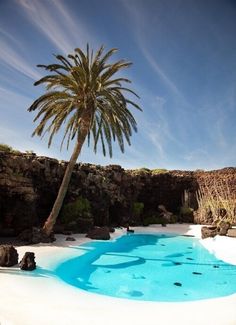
pixel 149 267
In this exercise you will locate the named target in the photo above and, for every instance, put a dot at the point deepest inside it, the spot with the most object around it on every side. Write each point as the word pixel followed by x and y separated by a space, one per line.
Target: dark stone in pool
pixel 174 255
pixel 189 258
pixel 197 273
pixel 178 284
pixel 138 277
pixel 177 263
pixel 135 293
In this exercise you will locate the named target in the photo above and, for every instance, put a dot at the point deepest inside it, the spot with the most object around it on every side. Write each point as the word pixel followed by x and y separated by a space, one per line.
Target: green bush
pixel 159 171
pixel 29 152
pixel 186 211
pixel 144 169
pixel 80 208
pixel 153 220
pixel 5 147
pixel 185 214
pixel 16 152
pixel 173 219
pixel 141 171
pixel 137 208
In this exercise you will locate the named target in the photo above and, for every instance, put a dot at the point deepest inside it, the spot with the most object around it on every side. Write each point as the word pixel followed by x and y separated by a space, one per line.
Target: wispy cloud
pixel 13 59
pixel 197 155
pixel 155 126
pixel 19 142
pixel 13 97
pixel 140 26
pixel 168 82
pixel 56 22
pixel 215 116
pixel 156 139
pixel 10 37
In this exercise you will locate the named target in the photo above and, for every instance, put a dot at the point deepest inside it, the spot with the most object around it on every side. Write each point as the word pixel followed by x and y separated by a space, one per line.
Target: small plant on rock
pixel 159 171
pixel 5 147
pixel 186 214
pixel 153 219
pixel 137 209
pixel 77 215
pixel 73 210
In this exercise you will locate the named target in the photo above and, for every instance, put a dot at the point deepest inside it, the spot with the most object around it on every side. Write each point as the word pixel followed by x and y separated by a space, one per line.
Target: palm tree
pixel 84 93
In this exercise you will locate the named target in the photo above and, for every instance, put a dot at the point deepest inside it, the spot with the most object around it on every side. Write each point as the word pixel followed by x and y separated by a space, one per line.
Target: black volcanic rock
pixel 8 256
pixel 28 262
pixel 29 186
pixel 99 233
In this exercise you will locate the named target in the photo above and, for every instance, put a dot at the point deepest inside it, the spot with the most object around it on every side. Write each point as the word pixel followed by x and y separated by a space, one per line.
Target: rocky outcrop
pixel 99 233
pixel 166 215
pixel 29 185
pixel 222 229
pixel 70 238
pixel 35 236
pixel 231 232
pixel 209 231
pixel 28 262
pixel 8 256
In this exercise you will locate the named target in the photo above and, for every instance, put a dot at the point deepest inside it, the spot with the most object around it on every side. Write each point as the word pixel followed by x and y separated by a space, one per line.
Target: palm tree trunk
pixel 51 220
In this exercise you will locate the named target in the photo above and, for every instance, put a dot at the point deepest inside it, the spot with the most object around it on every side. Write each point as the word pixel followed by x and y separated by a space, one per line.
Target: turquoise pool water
pixel 163 267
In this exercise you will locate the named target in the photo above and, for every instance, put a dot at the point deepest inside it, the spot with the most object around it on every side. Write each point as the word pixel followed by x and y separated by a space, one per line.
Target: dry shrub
pixel 217 200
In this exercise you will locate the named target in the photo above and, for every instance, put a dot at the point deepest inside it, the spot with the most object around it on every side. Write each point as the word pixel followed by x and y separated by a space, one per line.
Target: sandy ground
pixel 42 299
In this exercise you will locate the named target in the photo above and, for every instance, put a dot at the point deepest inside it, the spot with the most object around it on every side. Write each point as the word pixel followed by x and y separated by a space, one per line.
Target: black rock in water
pixel 177 263
pixel 178 284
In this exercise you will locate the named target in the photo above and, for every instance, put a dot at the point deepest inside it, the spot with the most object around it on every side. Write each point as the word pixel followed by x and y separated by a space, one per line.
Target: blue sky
pixel 184 69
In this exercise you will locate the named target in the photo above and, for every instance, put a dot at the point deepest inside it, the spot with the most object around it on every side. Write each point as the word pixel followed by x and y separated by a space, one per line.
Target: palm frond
pixel 83 93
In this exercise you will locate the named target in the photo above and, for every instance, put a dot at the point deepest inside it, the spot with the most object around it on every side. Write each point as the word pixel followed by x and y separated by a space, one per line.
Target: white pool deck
pixel 26 299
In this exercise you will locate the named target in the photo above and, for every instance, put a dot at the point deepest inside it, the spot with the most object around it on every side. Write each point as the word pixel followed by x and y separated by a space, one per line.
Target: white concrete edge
pixel 22 298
